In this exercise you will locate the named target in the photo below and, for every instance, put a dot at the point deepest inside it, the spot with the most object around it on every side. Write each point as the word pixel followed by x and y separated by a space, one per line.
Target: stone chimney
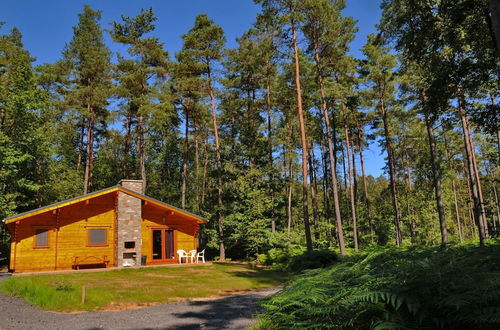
pixel 134 185
pixel 128 227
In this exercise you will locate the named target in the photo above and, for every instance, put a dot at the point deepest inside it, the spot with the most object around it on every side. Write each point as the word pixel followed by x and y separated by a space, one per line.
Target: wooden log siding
pixel 68 223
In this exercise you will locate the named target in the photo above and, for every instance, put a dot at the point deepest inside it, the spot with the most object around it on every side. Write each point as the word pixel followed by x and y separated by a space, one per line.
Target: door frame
pixel 163 238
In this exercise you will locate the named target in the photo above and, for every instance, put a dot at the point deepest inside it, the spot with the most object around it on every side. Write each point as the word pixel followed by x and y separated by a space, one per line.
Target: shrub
pixel 312 260
pixel 454 287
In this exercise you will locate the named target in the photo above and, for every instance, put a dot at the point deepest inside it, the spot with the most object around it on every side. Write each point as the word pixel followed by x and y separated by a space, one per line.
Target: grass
pixel 129 288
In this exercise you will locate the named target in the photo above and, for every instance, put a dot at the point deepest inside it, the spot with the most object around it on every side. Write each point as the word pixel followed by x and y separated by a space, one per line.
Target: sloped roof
pixel 105 191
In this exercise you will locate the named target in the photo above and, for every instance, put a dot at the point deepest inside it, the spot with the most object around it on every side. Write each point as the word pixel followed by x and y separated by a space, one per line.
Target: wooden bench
pixel 90 261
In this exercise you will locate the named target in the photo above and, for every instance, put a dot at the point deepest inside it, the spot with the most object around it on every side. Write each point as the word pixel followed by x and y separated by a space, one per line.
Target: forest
pixel 267 139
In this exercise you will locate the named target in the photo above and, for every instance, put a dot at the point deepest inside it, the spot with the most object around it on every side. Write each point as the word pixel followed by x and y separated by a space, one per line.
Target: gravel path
pixel 231 312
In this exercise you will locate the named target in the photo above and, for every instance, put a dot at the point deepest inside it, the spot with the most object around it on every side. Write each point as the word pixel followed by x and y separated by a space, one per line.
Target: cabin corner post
pixel 115 230
pixel 16 225
pixel 58 212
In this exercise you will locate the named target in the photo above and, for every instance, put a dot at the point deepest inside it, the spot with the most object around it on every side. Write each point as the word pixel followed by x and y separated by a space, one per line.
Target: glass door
pixel 157 244
pixel 163 244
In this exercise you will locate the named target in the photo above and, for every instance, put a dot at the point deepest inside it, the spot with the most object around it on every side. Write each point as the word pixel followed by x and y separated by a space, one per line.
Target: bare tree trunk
pixel 270 147
pixel 326 192
pixel 478 209
pixel 205 169
pixel 478 180
pixel 127 146
pixel 222 250
pixel 332 157
pixel 454 189
pixel 142 151
pixel 184 161
pixel 496 202
pixel 305 201
pixel 436 174
pixel 363 174
pixel 351 186
pixel 90 151
pixel 197 165
pixel 346 186
pixel 314 199
pixel 457 213
pixel 80 146
pixel 290 192
pixel 392 174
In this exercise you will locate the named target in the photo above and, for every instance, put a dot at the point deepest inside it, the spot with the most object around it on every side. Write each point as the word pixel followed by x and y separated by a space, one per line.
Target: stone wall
pixel 128 227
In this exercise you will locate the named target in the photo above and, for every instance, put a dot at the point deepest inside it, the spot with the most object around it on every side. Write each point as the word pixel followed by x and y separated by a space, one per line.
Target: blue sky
pixel 47 26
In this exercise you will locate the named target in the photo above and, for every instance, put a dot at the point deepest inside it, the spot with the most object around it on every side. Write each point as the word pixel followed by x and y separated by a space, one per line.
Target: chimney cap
pixel 134 185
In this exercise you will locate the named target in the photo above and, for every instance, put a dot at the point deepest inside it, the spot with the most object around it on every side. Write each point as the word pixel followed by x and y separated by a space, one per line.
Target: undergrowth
pixel 450 287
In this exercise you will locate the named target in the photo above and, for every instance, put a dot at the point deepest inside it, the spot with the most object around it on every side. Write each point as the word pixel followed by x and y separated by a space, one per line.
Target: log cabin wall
pixel 69 241
pixel 155 218
pixel 53 239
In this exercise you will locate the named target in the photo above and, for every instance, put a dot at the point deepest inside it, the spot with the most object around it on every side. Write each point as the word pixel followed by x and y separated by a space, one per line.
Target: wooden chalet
pixel 113 227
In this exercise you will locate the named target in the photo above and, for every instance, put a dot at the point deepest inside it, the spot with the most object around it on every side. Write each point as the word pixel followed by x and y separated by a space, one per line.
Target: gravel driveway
pixel 231 312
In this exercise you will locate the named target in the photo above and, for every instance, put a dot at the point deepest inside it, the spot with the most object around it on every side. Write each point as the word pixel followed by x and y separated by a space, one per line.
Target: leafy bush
pixel 312 260
pixel 454 287
pixel 295 259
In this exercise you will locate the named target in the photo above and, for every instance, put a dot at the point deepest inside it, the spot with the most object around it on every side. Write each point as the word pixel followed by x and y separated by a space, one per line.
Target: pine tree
pixel 203 46
pixel 135 76
pixel 289 11
pixel 87 60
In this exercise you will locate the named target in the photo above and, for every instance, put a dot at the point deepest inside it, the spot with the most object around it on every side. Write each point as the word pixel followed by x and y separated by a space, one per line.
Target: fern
pixel 452 287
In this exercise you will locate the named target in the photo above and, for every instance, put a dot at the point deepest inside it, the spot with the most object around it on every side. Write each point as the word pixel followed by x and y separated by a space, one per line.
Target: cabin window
pixel 97 236
pixel 41 238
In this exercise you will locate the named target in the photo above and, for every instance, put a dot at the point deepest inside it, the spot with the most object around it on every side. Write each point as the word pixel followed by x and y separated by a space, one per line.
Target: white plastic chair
pixel 192 255
pixel 182 254
pixel 200 255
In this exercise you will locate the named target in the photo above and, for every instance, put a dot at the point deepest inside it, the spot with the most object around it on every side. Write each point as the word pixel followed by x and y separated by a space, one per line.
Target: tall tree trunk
pixel 457 213
pixel 392 174
pixel 127 146
pixel 363 177
pixel 332 157
pixel 290 195
pixel 142 151
pixel 478 207
pixel 184 161
pixel 326 192
pixel 496 200
pixel 478 180
pixel 454 189
pixel 197 165
pixel 408 203
pixel 270 149
pixel 314 198
pixel 344 171
pixel 205 170
pixel 351 186
pixel 303 139
pixel 80 146
pixel 436 175
pixel 90 151
pixel 222 250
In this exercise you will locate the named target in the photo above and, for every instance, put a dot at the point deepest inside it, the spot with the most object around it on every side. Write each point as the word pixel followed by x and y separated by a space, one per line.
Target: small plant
pixel 64 286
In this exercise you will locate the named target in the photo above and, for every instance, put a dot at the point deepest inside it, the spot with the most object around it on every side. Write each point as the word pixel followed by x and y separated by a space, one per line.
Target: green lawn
pixel 130 288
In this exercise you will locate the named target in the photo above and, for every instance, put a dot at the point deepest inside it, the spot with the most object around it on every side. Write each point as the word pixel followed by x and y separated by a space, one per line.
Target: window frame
pixel 99 244
pixel 35 237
